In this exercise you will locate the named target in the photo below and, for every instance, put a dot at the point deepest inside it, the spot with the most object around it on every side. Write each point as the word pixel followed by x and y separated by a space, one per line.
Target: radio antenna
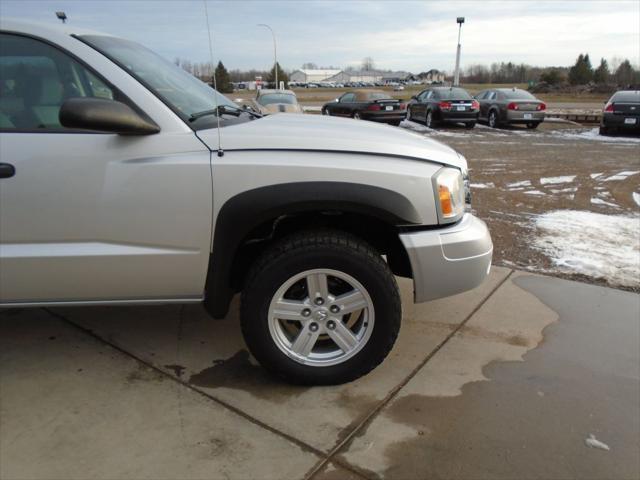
pixel 213 77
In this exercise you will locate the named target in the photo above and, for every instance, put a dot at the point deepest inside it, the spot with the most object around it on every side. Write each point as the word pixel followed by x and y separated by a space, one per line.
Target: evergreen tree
pixel 582 72
pixel 602 74
pixel 282 76
pixel 625 74
pixel 223 80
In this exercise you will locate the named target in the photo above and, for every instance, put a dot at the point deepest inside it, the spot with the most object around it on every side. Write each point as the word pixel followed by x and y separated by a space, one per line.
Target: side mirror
pixel 102 115
pixel 413 97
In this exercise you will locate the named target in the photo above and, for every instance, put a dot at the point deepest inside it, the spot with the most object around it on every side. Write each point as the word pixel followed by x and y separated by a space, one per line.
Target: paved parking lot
pixel 510 380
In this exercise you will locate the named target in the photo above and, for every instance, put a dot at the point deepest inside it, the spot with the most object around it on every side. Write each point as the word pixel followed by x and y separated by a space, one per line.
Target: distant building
pixel 431 76
pixel 396 77
pixel 311 76
pixel 356 76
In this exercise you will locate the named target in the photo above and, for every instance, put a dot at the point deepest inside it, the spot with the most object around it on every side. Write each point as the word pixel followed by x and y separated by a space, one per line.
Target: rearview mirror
pixel 103 115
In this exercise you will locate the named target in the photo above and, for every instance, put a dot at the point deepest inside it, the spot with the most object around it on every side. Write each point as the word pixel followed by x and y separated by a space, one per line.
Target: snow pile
pixel 593 442
pixel 621 175
pixel 483 185
pixel 636 198
pixel 416 127
pixel 523 183
pixel 593 244
pixel 534 192
pixel 555 180
pixel 599 201
pixel 593 134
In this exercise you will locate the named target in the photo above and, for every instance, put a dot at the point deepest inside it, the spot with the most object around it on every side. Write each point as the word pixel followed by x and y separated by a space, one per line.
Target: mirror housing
pixel 103 115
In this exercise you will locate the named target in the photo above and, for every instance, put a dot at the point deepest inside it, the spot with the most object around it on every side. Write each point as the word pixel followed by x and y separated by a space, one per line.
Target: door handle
pixel 7 170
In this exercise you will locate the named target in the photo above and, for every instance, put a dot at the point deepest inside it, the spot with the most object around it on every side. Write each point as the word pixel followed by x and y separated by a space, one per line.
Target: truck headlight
pixel 448 186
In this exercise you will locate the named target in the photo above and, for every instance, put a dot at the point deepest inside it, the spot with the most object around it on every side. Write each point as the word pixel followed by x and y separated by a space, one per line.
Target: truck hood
pixel 324 133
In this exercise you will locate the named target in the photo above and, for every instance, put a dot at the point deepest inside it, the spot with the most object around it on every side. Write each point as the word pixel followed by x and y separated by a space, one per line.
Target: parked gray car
pixel 126 180
pixel 507 106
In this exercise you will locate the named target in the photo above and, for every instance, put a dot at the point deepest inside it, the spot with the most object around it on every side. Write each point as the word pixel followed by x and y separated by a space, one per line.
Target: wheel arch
pixel 249 221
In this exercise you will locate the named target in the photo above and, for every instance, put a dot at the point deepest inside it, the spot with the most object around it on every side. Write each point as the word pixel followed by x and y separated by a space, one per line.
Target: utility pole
pixel 275 52
pixel 456 75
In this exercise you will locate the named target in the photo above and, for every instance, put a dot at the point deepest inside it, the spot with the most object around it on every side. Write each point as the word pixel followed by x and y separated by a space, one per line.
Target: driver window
pixel 347 98
pixel 36 79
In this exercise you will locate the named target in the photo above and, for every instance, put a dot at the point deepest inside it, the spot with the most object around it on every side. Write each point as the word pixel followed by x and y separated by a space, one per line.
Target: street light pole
pixel 456 75
pixel 275 52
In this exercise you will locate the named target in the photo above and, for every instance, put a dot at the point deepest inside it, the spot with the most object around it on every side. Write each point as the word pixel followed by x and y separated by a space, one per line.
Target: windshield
pixel 271 98
pixel 181 91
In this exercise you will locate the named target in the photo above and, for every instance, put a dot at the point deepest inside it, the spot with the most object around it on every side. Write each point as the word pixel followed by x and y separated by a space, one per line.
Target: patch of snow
pixel 621 175
pixel 239 100
pixel 483 185
pixel 593 442
pixel 599 201
pixel 636 198
pixel 554 180
pixel 592 134
pixel 534 192
pixel 416 127
pixel 592 244
pixel 564 190
pixel 595 175
pixel 523 183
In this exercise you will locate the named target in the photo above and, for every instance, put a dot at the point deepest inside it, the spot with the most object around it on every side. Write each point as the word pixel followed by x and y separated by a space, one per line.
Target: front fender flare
pixel 241 214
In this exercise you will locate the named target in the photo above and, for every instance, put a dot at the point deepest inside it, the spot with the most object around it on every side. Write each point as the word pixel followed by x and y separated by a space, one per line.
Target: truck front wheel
pixel 320 308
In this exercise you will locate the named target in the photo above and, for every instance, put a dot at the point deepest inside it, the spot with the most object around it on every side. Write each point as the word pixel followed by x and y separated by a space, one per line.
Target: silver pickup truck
pixel 125 180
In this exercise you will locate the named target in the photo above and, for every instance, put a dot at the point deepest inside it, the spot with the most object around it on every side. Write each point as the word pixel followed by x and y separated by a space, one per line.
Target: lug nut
pixel 306 312
pixel 319 301
pixel 334 309
pixel 331 324
pixel 313 327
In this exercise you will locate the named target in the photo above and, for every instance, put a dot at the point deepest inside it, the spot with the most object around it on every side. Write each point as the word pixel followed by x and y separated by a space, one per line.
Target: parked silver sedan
pixel 276 101
pixel 506 106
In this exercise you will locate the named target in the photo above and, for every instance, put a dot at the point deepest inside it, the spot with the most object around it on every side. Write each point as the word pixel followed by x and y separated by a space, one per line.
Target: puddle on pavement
pixel 531 418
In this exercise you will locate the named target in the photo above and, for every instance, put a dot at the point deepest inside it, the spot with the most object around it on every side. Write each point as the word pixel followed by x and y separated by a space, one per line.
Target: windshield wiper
pixel 224 110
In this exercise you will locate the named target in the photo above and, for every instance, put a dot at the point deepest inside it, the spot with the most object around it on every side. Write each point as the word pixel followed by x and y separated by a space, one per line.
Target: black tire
pixel 396 123
pixel 604 130
pixel 428 120
pixel 325 111
pixel 492 119
pixel 532 125
pixel 307 251
pixel 409 114
pixel 357 116
pixel 469 125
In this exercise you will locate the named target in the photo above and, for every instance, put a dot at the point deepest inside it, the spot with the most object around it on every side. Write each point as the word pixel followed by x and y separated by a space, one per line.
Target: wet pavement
pixel 507 381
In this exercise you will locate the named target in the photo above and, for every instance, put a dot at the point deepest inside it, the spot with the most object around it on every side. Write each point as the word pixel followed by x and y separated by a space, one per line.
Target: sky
pixel 399 35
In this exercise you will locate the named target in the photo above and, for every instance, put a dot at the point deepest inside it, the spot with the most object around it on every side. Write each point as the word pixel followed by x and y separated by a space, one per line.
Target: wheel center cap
pixel 321 315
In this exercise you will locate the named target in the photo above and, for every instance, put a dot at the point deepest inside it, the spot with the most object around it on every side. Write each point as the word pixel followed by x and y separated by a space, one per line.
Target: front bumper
pixel 449 260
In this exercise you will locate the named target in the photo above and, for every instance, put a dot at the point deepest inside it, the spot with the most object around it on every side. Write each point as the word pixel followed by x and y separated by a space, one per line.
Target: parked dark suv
pixel 437 105
pixel 621 112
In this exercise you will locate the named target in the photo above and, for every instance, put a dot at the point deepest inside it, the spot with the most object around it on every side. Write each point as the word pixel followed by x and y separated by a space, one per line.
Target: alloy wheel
pixel 321 317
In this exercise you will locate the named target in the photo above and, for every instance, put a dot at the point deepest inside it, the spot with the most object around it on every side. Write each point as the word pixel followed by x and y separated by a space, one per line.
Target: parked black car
pixel 437 105
pixel 505 106
pixel 621 112
pixel 372 105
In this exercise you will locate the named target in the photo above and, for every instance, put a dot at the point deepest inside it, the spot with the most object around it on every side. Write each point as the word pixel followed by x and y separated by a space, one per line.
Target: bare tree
pixel 368 64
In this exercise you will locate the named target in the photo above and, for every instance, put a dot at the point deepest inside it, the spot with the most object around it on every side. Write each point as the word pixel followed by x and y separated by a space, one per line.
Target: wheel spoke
pixel 351 302
pixel 343 337
pixel 304 342
pixel 317 286
pixel 288 309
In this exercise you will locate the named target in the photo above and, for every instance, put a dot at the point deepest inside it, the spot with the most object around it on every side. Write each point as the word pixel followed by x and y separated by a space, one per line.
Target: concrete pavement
pixel 506 381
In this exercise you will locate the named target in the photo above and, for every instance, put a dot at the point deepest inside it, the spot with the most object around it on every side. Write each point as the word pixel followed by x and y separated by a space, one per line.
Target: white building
pixel 310 76
pixel 356 76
